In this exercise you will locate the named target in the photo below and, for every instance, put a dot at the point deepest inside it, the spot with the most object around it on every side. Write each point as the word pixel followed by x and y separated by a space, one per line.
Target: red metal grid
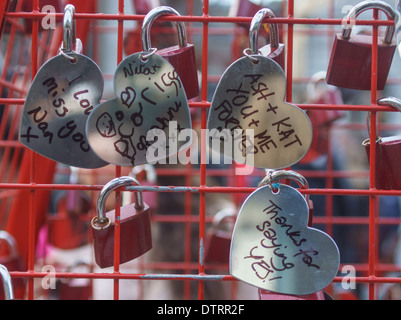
pixel 33 186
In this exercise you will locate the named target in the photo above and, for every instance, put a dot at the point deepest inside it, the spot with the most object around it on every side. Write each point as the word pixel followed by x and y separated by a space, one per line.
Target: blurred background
pixel 337 159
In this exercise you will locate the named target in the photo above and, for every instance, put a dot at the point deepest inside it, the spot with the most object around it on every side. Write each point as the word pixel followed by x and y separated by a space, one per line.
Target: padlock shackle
pixel 12 243
pixel 275 176
pixel 151 17
pixel 222 215
pixel 69 29
pixel 367 5
pixel 385 101
pixel 108 188
pixel 7 284
pixel 390 102
pixel 150 171
pixel 254 31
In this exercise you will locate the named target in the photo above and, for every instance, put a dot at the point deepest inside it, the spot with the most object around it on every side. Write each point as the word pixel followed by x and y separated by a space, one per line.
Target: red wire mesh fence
pixel 363 220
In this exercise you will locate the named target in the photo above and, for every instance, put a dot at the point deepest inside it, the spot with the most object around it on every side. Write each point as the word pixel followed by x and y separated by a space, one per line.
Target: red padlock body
pixel 388 169
pixel 68 291
pixel 19 284
pixel 217 246
pixel 277 55
pixel 142 6
pixel 351 62
pixel 268 295
pixel 69 230
pixel 184 62
pixel 246 9
pixel 135 236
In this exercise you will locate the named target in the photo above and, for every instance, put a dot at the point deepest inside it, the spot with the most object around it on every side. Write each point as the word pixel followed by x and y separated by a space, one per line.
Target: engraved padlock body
pixel 350 63
pixel 181 57
pixel 274 50
pixel 135 227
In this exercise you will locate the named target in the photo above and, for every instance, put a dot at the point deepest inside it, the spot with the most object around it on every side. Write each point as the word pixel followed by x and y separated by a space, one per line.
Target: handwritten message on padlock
pixel 274 249
pixel 250 96
pixel 149 96
pixel 62 95
pixel 60 99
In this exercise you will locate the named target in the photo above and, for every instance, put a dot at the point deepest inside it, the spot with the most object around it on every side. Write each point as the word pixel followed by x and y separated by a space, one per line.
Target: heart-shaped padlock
pixel 249 110
pixel 181 57
pixel 388 150
pixel 272 246
pixel 62 95
pixel 274 50
pixel 135 229
pixel 150 105
pixel 351 58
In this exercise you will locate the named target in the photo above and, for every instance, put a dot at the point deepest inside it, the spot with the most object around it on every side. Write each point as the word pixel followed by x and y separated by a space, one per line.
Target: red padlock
pixel 69 227
pixel 218 240
pixel 351 57
pixel 243 8
pixel 75 289
pixel 274 50
pixel 388 151
pixel 181 57
pixel 135 229
pixel 144 6
pixel 12 262
pixel 319 92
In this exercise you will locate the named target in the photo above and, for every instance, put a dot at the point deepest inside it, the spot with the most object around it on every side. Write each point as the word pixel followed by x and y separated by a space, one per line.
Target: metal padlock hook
pixel 7 237
pixel 275 176
pixel 221 216
pixel 100 221
pixel 254 31
pixel 69 29
pixel 7 284
pixel 366 5
pixel 147 24
pixel 386 101
pixel 150 171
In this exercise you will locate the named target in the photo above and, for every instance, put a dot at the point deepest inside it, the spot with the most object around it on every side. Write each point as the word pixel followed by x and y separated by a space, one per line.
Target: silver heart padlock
pixel 62 95
pixel 272 246
pixel 249 109
pixel 143 124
